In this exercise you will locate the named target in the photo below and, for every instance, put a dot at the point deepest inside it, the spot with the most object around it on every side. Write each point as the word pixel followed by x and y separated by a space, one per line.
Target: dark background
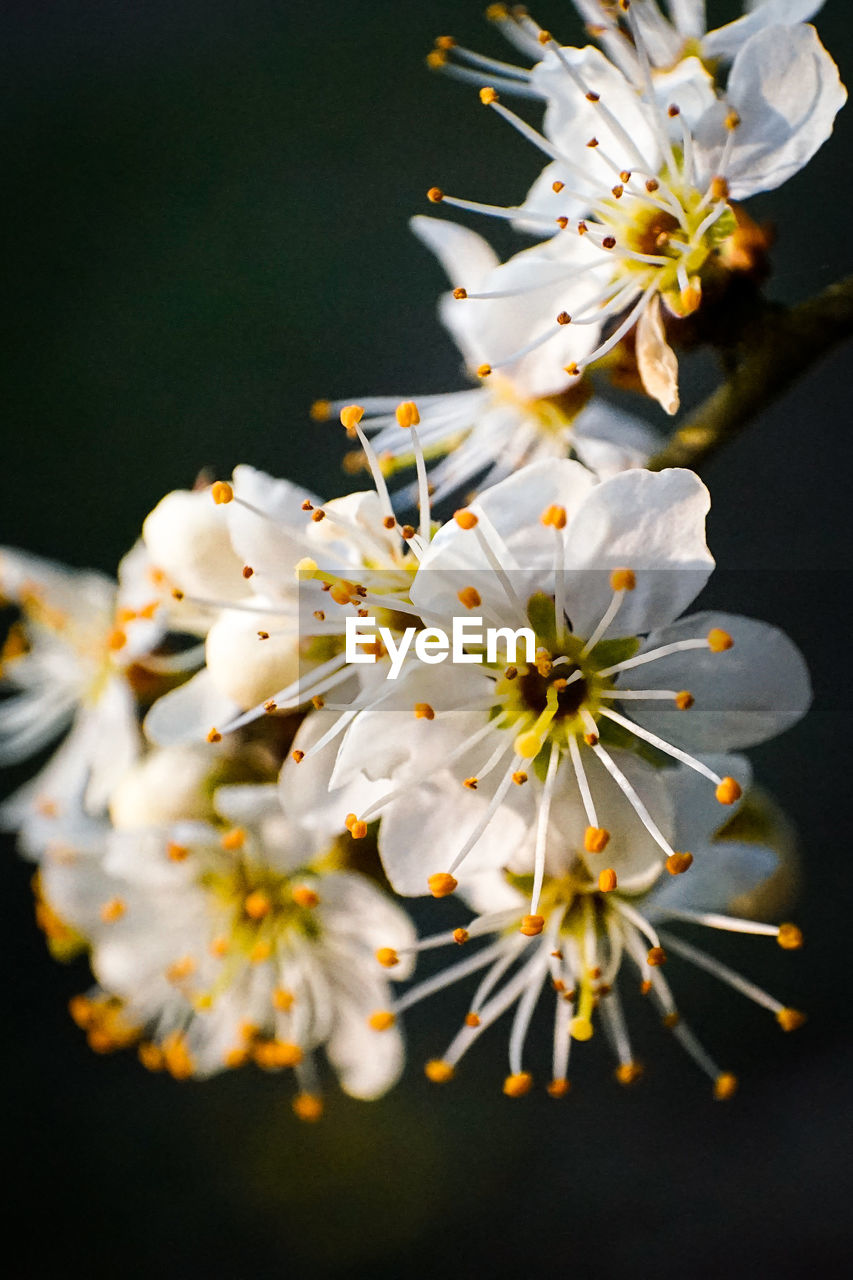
pixel 209 203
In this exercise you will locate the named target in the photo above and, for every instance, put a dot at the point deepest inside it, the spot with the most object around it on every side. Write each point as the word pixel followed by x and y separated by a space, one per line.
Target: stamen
pixel 628 791
pixel 721 971
pixel 542 821
pixel 675 752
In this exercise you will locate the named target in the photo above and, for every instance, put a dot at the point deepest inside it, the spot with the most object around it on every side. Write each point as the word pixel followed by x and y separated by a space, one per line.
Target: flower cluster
pixel 239 804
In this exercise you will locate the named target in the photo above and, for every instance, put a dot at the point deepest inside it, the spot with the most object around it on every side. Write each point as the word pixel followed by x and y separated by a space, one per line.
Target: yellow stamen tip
pixel 435 195
pixel 728 791
pixel 472 1020
pixel 518 1084
pixel 381 1020
pixel 678 863
pixel 555 516
pixel 581 1028
pixel 465 519
pixel 407 414
pixel 283 999
pixel 623 580
pixel 461 936
pixel 442 884
pixel 528 745
pixel 596 839
pixel 351 416
pixel 469 598
pixel 558 1088
pixel 307 566
pixel 273 1055
pixel 607 880
pixel 519 778
pixel 423 711
pixel 387 957
pixel 488 96
pixel 684 700
pixel 438 1071
pixel 112 910
pixel 321 411
pixel 308 1107
pixel 656 956
pixel 460 294
pixel 628 1072
pixel 221 492
pixel 789 937
pixel 484 370
pixel 532 926
pixel 719 640
pixel 790 1019
pixel 725 1086
pixel 233 839
pixel 304 897
pixel 257 905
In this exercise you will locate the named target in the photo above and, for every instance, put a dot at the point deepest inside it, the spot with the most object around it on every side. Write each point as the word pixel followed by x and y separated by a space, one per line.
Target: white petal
pixel 720 873
pixel 188 539
pixel 727 41
pixel 246 668
pixel 270 546
pixel 698 813
pixel 688 17
pixel 368 1062
pixel 656 360
pixel 351 903
pixel 188 713
pixel 466 257
pixel 168 784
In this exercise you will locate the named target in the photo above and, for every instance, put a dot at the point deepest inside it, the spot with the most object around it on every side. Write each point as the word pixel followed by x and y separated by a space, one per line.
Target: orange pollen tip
pixel 656 956
pixel 519 778
pixel 488 96
pixel 442 884
pixel 593 143
pixel 645 987
pixel 728 791
pixel 732 120
pixel 233 839
pixel 116 639
pixel 558 1088
pixel 609 242
pixel 257 905
pixel 484 370
pixel 469 597
pixel 628 1072
pixel 221 492
pixel 358 830
pixel 617 192
pixel 112 910
pixel 388 523
pixel 719 640
pixel 789 937
pixel 518 1084
pixel 562 223
pixel 82 1011
pixel 607 880
pixel 318 515
pixel 684 700
pixel 591 739
pixel 532 926
pixel 497 12
pixel 790 1019
pixel 623 580
pixel 248 571
pixel 461 936
pixel 351 416
pixel 151 1056
pixel 263 635
pixel 260 952
pixel 725 1086
pixel 581 1028
pixel 303 896
pixel 297 755
pixel 181 969
pixel 270 707
pixel 308 1107
pixel 214 736
pixel 678 863
pixel 176 852
pixel 438 1071
pixel 423 711
pixel 564 318
pixel 275 1054
pixel 572 370
pixel 219 947
pixel 557 187
pixel 673 111
pixel 460 294
pixel 554 516
pixel 407 414
pixel 596 839
pixel 387 957
pixel 381 1020
pixel 472 1019
pixel 670 1020
pixel 544 37
pixel 470 784
pixel 719 188
pixel 435 195
pixel 283 999
pixel 321 410
pixel 652 185
pixel 436 58
pixel 445 42
pixel 407 532
pixel 465 519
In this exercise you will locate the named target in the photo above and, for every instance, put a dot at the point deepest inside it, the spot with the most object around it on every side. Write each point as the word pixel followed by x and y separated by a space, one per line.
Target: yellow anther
pixel 554 516
pixel 656 956
pixel 351 416
pixel 303 896
pixel 387 957
pixel 381 1020
pixel 321 410
pixel 564 318
pixel 790 1019
pixel 497 12
pixel 273 1055
pixel 233 839
pixel 181 969
pixel 532 926
pixel 628 1072
pixel 518 1084
pixel 678 863
pixel 732 120
pixel 484 370
pixel 465 519
pixel 112 910
pixel 645 987
pixel 581 1028
pixel 435 59
pixel 572 370
pixel 719 188
pixel 358 830
pixel 544 37
pixel 789 937
pixel 270 706
pixel 558 1088
pixel 519 778
pixel 318 515
pixel 283 999
pixel 670 1019
pixel 719 640
pixel 488 96
pixel 557 187
pixel 297 755
pixel 306 566
pixel 342 592
pixel 591 739
pixel 407 532
pixel 248 571
pixel 82 1011
pixel 472 1019
pixel 469 598
pixel 623 580
pixel 235 1058
pixel 460 294
pixel 691 298
pixel 725 1086
pixel 423 711
pixel 461 936
pixel 439 1071
pixel 728 791
pixel 214 735
pixel 607 880
pixel 116 639
pixel 543 662
pixel 261 952
pixel 263 635
pixel 219 947
pixel 596 839
pixel 257 905
pixel 176 1057
pixel 221 492
pixel 435 195
pixel 407 414
pixel 308 1107
pixel 151 1056
pixel 177 852
pixel 684 700
pixel 442 884
pixel 470 784
pixel 445 42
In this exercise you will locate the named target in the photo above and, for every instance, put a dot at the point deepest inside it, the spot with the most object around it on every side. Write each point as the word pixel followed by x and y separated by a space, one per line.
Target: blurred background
pixel 209 202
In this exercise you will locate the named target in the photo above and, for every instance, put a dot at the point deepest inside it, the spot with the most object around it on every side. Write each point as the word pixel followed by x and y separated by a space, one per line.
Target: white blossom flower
pixel 595 929
pixel 68 663
pixel 532 409
pixel 600 573
pixel 217 944
pixel 645 173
